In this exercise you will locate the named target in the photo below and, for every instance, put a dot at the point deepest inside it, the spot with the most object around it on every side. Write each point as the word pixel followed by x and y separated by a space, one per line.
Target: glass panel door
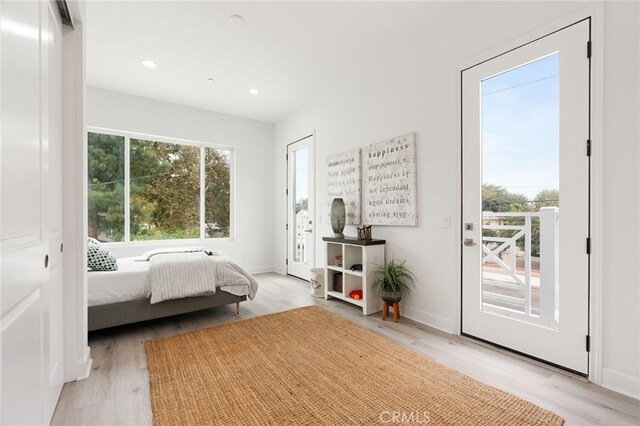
pixel 525 269
pixel 300 208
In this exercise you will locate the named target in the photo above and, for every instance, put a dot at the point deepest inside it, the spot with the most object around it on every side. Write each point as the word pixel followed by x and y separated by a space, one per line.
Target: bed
pixel 126 296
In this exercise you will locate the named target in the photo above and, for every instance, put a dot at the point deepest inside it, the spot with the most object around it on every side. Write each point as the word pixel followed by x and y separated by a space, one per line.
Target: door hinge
pixel 286 261
pixel 588 147
pixel 286 191
pixel 286 157
pixel 589 49
pixel 588 343
pixel 588 245
pixel 287 226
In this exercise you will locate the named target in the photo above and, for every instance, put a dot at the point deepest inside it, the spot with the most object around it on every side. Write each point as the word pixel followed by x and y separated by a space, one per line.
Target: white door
pixel 525 216
pixel 24 241
pixel 300 208
pixel 31 317
pixel 52 326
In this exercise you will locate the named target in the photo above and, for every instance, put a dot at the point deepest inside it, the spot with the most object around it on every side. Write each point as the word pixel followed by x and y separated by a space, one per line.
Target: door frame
pixel 312 193
pixel 596 209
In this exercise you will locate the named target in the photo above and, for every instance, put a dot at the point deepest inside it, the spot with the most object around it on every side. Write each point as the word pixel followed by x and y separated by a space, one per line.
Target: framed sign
pixel 389 182
pixel 343 181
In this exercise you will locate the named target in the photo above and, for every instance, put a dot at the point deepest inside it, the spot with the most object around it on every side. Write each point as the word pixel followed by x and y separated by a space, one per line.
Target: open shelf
pixel 333 250
pixel 351 282
pixel 345 298
pixel 354 252
pixel 352 256
pixel 332 277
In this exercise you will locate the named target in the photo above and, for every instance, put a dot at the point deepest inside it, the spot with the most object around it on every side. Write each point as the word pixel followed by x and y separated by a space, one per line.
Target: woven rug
pixel 309 366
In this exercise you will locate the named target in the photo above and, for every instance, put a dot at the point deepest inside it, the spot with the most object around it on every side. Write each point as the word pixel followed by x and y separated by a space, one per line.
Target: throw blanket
pixel 178 275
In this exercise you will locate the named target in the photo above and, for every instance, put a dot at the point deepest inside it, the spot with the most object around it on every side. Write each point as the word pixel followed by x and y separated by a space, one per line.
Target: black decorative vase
pixel 338 217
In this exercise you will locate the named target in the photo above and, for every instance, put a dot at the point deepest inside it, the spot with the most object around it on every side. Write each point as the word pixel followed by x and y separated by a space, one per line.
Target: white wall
pixel 252 242
pixel 412 86
pixel 621 325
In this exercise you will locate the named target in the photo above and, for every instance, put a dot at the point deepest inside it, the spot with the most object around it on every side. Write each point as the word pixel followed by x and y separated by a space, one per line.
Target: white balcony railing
pixel 511 278
pixel 302 218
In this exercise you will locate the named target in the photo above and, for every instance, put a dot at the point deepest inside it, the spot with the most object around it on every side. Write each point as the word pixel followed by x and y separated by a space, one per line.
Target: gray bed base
pixel 105 316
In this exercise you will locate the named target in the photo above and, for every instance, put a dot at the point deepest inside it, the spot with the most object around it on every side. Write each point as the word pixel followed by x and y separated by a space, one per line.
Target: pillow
pixel 99 258
pixel 167 250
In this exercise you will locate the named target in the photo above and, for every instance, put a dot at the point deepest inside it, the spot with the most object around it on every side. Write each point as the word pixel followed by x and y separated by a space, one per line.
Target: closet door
pixel 24 239
pixel 52 326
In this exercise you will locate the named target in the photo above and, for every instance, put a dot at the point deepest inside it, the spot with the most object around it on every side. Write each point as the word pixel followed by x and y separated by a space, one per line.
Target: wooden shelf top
pixel 354 241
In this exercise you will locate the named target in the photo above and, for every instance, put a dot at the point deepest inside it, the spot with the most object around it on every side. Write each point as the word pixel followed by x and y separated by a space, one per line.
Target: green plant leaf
pixel 395 276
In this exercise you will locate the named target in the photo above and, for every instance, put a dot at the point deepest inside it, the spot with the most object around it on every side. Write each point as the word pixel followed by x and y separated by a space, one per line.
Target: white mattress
pixel 132 283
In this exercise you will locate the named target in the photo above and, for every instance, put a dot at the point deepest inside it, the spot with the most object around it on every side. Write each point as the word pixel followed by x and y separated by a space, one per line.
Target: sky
pixel 520 128
pixel 301 173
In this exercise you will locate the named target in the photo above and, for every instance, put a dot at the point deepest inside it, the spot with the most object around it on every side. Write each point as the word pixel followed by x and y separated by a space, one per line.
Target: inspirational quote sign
pixel 343 181
pixel 389 182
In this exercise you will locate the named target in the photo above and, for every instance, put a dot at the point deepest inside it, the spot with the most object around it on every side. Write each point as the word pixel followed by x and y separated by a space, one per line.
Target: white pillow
pixel 167 250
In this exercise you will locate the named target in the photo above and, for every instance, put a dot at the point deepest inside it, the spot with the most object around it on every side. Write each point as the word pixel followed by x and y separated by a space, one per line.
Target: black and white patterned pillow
pixel 100 258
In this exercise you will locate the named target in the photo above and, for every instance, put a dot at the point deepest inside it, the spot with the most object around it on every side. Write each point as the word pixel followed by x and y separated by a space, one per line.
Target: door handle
pixel 469 242
pixel 308 230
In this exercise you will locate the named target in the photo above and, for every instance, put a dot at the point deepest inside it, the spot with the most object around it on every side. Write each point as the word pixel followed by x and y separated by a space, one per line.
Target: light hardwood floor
pixel 117 392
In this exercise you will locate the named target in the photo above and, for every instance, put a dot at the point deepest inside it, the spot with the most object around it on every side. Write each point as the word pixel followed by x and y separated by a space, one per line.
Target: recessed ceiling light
pixel 236 19
pixel 148 63
pixel 253 91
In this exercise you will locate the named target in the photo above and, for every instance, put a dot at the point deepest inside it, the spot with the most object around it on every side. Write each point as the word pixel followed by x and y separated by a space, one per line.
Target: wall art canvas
pixel 389 182
pixel 343 181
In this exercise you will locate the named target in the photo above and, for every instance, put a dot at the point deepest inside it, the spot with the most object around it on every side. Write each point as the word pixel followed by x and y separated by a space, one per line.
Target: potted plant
pixel 393 279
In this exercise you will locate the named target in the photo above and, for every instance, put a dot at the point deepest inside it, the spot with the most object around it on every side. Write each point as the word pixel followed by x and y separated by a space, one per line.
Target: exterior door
pixel 525 265
pixel 300 208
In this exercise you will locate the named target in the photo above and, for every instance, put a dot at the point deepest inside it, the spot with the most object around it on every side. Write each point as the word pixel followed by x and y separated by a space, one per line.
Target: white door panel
pixel 525 265
pixel 23 246
pixel 21 174
pixel 300 208
pixel 21 384
pixel 22 269
pixel 31 282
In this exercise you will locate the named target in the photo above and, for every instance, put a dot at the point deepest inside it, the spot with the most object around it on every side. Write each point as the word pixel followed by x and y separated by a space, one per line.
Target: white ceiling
pixel 289 51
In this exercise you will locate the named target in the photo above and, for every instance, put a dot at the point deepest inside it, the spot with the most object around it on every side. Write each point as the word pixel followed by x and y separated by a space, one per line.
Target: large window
pixel 161 190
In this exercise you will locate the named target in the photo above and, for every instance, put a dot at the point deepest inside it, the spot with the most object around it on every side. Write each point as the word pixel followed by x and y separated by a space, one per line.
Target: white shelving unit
pixel 367 253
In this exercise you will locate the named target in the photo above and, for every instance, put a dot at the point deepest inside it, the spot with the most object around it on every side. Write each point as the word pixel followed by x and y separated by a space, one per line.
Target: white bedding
pixel 132 281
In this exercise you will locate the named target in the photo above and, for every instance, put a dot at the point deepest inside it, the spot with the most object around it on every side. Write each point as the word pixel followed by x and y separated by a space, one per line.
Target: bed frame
pixel 105 316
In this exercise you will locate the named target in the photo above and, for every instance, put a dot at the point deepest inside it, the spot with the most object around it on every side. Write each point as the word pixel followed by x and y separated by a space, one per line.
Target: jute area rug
pixel 308 366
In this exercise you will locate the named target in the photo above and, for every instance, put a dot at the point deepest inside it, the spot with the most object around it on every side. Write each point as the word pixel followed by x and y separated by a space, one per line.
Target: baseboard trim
pixel 432 320
pixel 84 366
pixel 261 269
pixel 623 383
